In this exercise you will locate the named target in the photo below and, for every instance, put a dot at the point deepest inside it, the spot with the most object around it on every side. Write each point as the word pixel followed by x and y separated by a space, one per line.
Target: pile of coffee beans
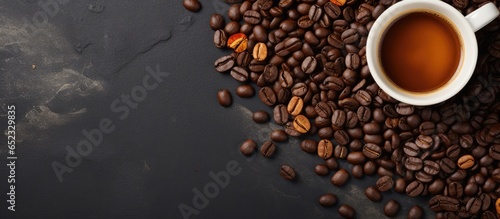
pixel 308 58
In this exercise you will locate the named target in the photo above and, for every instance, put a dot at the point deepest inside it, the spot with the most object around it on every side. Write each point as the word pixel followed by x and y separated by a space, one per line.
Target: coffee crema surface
pixel 420 52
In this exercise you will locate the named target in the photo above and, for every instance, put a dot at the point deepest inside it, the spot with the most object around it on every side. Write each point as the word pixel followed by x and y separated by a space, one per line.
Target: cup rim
pixel 464 73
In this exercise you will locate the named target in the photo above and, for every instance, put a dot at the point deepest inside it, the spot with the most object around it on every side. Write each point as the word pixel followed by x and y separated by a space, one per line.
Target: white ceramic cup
pixel 465 27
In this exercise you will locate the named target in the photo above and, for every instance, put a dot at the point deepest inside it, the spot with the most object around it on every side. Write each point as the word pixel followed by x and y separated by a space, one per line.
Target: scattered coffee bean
pixel 340 177
pixel 391 208
pixel 373 194
pixel 347 211
pixel 217 22
pixel 224 98
pixel 245 91
pixel 415 212
pixel 324 148
pixel 267 149
pixel 192 5
pixel 385 183
pixel 287 172
pixel 328 200
pixel 301 124
pixel 248 147
pixel 309 146
pixel 321 169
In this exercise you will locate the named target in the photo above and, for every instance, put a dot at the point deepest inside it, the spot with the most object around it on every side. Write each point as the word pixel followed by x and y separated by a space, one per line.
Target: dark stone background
pixel 87 54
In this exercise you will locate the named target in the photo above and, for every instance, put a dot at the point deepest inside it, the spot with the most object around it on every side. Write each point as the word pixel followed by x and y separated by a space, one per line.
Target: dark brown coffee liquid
pixel 420 52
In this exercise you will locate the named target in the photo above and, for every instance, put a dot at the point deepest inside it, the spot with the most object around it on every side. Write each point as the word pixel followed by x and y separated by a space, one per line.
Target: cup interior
pixel 468 56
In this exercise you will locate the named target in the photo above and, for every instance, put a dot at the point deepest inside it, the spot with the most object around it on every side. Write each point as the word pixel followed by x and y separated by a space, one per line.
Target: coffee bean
pixel 252 17
pixel 372 151
pixel 321 169
pixel 239 74
pixel 232 27
pixel 350 36
pixel 259 52
pixel 287 172
pixel 431 167
pixel 340 177
pixel 328 200
pixel 400 185
pixel 309 146
pixel 325 148
pixel 224 98
pixel 443 203
pixel 338 118
pixel 267 149
pixel 192 5
pixel 391 208
pixel 356 158
pixel 245 91
pixel 224 63
pixel 497 205
pixel 315 13
pixel 384 183
pixel 363 97
pixel 415 212
pixel 309 64
pixel 453 151
pixel 465 162
pixel 216 21
pixel 427 128
pixel 260 116
pixel 415 188
pixel 411 149
pixel 346 211
pixel 494 151
pixel 295 106
pixel 280 114
pixel 299 89
pixel 455 190
pixel 413 163
pixel 267 96
pixel 278 135
pixel 342 138
pixel 248 147
pixel 373 194
pixel 447 165
pixel 301 124
pixel 340 151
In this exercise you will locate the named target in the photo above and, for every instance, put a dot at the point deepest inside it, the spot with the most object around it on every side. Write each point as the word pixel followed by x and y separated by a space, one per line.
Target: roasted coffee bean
pixel 357 171
pixel 248 147
pixel 384 183
pixel 455 190
pixel 323 110
pixel 301 124
pixel 372 151
pixel 363 97
pixel 447 165
pixel 252 17
pixel 192 5
pixel 458 175
pixel 260 52
pixel 245 91
pixel 427 128
pixel 267 96
pixel 340 152
pixel 340 177
pixel 216 21
pixel 232 27
pixel 436 187
pixel 341 137
pixel 327 200
pixel 224 64
pixel 325 148
pixel 309 64
pixel 268 148
pixel 431 167
pixel 411 149
pixel 287 172
pixel 295 106
pixel 391 208
pixel 413 163
pixel 280 114
pixel 333 11
pixel 270 73
pixel 260 116
pixel 338 118
pixel 474 205
pixel 453 151
pixel 423 177
pixel 415 188
pixel 497 205
pixel 315 13
pixel 299 89
pixel 424 142
pixel 415 212
pixel 346 211
pixel 400 185
pixel 443 203
pixel 356 158
pixel 321 169
pixel 290 130
pixel 278 136
pixel 240 74
pixel 465 162
pixel 224 98
pixel 373 194
pixel 309 146
pixel 494 151
pixel 350 36
pixel 233 13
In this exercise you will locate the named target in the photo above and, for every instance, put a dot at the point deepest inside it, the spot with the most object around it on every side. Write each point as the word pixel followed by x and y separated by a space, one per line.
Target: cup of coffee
pixel 423 52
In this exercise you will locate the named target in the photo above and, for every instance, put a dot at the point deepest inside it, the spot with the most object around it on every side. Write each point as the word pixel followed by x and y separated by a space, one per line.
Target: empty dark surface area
pixel 71 71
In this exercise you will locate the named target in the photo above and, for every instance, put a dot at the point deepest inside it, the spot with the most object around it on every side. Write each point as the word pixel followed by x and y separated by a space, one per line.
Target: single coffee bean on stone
pixel 340 177
pixel 248 147
pixel 267 149
pixel 192 5
pixel 224 98
pixel 391 208
pixel 245 91
pixel 321 169
pixel 278 135
pixel 385 183
pixel 309 146
pixel 346 211
pixel 328 200
pixel 373 194
pixel 287 172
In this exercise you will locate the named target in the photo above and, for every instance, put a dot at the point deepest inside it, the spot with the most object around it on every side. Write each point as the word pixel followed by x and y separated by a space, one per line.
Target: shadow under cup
pixel 455 80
